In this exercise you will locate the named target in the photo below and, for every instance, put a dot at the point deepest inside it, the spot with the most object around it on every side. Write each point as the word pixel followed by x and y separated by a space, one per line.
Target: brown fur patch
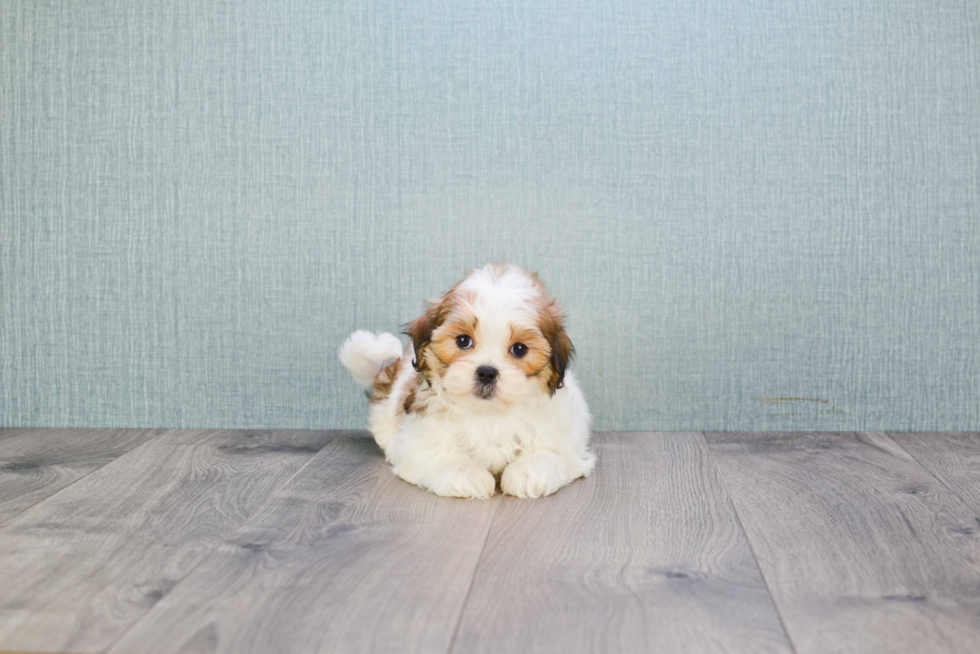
pixel 551 322
pixel 409 401
pixel 538 351
pixel 458 323
pixel 383 382
pixel 421 329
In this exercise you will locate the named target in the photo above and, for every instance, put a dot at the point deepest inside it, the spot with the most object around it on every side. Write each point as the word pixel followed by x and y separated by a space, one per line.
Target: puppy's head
pixel 494 340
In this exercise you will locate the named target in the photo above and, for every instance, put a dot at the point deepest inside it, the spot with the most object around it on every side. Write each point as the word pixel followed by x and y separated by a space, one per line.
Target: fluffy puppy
pixel 482 390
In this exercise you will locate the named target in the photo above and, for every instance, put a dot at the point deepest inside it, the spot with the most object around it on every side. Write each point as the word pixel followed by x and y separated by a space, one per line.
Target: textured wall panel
pixel 740 203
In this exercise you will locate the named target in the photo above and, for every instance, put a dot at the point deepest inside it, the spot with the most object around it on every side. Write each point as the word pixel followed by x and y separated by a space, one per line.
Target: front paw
pixel 535 475
pixel 462 481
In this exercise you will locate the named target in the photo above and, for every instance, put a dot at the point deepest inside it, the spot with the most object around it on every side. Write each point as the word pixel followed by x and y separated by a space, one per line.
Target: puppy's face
pixel 495 340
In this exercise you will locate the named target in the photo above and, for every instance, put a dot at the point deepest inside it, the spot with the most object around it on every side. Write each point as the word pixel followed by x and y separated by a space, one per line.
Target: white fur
pixel 534 441
pixel 537 447
pixel 364 354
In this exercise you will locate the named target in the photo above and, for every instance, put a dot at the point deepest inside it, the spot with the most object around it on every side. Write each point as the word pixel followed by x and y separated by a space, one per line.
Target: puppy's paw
pixel 462 481
pixel 535 475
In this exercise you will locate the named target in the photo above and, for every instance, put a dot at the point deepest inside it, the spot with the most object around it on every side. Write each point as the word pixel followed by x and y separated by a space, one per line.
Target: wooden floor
pixel 159 541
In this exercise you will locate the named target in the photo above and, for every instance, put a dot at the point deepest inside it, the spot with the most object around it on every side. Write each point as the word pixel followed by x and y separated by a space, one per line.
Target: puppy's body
pixel 482 390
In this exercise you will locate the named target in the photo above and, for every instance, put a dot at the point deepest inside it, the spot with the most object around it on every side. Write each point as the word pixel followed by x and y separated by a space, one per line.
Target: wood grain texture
pixel 292 542
pixel 862 549
pixel 345 558
pixel 954 458
pixel 37 463
pixel 84 566
pixel 644 556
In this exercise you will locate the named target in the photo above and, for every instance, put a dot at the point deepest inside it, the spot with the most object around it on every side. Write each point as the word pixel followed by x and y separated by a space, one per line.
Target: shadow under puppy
pixel 483 390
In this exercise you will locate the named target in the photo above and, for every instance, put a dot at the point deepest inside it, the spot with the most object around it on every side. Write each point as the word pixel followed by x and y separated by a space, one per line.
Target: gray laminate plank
pixel 37 463
pixel 862 549
pixel 82 567
pixel 345 558
pixel 952 457
pixel 646 555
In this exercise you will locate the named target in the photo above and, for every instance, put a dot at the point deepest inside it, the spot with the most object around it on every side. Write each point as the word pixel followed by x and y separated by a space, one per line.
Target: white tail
pixel 364 353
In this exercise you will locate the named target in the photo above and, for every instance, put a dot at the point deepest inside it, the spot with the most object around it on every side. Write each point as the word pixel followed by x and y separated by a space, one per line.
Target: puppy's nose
pixel 486 374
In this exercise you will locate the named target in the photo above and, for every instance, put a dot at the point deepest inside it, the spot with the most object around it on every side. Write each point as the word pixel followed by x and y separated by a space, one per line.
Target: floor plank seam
pixel 245 523
pixel 476 568
pixel 748 541
pixel 942 482
pixel 93 470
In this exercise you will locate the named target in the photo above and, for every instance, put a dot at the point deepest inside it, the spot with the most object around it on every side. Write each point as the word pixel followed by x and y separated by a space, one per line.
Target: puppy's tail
pixel 364 353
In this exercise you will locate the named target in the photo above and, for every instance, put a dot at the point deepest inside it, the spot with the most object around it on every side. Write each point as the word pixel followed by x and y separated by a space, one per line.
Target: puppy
pixel 482 391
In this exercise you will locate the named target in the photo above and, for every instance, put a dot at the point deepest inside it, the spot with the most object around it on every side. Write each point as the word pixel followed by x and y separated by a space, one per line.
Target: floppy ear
pixel 561 347
pixel 420 331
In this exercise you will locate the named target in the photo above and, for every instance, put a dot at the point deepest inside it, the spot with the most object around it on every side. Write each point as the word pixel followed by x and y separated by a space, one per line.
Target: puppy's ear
pixel 561 346
pixel 420 331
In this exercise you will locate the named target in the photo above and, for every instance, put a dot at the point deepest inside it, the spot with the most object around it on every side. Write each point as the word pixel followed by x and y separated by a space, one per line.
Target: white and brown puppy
pixel 483 390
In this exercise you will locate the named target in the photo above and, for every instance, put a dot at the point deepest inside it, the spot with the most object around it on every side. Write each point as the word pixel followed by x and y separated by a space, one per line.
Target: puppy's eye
pixel 464 342
pixel 518 350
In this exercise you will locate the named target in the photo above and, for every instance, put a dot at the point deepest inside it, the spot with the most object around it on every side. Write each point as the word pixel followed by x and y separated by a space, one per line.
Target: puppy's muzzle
pixel 486 381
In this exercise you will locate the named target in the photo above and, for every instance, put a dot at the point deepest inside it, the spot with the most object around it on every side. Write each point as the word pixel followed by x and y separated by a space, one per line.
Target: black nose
pixel 486 374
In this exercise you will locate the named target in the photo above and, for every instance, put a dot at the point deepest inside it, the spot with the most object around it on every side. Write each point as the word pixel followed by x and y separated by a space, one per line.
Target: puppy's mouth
pixel 485 391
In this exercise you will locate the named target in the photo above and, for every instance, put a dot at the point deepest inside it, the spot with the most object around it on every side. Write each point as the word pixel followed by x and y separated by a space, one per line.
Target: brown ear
pixel 420 331
pixel 561 346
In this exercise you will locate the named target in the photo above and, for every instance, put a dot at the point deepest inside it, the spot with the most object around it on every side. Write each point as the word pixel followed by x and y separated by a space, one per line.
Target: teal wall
pixel 738 201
